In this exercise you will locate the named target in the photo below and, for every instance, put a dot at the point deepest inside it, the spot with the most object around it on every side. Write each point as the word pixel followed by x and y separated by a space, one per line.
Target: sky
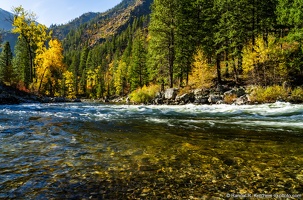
pixel 59 11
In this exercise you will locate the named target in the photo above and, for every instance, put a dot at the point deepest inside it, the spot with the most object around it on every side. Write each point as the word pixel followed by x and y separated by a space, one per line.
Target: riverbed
pixel 100 151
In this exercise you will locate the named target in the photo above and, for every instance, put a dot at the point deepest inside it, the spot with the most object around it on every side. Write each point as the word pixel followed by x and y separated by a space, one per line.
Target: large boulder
pixel 185 98
pixel 170 94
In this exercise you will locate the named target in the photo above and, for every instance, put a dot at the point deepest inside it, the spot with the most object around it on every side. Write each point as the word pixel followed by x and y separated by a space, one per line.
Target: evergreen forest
pixel 170 44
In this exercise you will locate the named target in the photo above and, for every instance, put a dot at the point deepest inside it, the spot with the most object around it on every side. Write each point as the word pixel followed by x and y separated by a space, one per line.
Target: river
pixel 98 151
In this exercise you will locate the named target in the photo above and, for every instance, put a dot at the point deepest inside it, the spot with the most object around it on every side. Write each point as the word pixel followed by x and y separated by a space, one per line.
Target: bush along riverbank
pixel 222 94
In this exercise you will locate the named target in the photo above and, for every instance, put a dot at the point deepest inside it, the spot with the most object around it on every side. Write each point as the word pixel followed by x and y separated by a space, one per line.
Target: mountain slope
pixel 6 27
pixel 5 24
pixel 118 22
pixel 93 28
pixel 61 31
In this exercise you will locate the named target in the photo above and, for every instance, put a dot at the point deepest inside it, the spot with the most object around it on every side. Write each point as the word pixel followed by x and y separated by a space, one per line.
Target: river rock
pixel 215 99
pixel 158 101
pixel 170 94
pixel 186 98
pixel 201 100
pixel 236 91
pixel 243 100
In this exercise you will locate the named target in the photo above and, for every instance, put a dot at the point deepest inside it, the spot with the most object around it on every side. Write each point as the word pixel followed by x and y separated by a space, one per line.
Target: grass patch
pixel 269 94
pixel 297 95
pixel 145 94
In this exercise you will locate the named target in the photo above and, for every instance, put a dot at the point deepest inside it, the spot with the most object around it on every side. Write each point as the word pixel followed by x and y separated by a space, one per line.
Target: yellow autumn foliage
pixel 68 85
pixel 49 68
pixel 263 63
pixel 144 94
pixel 120 75
pixel 202 73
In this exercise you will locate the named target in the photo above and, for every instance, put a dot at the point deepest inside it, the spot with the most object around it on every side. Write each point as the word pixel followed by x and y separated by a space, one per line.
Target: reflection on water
pixel 92 151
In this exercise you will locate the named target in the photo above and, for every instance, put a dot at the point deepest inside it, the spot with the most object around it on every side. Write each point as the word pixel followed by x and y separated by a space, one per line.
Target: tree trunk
pixel 219 70
pixel 171 59
pixel 235 71
pixel 40 84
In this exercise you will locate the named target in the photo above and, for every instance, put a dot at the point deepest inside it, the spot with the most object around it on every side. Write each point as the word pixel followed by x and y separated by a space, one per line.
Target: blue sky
pixel 59 11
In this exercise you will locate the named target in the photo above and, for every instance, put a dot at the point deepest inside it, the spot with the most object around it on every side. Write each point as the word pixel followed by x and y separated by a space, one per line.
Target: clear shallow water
pixel 57 151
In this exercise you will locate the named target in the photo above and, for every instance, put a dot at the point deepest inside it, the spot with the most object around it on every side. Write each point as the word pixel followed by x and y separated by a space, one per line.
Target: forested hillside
pixel 196 43
pixel 172 43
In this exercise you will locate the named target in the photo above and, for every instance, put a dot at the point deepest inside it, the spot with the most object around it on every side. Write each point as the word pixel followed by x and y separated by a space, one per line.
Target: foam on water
pixel 282 115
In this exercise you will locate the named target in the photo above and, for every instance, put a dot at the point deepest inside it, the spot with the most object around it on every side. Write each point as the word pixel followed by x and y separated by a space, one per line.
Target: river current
pixel 99 151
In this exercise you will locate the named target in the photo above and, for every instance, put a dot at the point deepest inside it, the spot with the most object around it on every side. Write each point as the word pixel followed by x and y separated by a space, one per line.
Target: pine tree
pixel 74 68
pixel 162 50
pixel 20 64
pixel 82 69
pixel 138 66
pixel 6 66
pixel 186 39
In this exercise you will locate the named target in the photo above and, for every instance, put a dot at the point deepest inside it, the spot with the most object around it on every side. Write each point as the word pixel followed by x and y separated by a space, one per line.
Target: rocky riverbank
pixel 11 95
pixel 219 95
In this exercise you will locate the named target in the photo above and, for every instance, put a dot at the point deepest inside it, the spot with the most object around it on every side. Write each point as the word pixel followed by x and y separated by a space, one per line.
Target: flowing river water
pixel 97 151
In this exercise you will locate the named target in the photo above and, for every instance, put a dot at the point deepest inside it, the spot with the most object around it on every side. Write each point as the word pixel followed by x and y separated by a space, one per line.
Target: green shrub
pixel 269 94
pixel 144 94
pixel 297 95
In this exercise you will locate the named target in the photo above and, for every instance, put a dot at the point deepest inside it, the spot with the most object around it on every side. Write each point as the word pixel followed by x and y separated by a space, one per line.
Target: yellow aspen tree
pixel 49 67
pixel 202 74
pixel 68 85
